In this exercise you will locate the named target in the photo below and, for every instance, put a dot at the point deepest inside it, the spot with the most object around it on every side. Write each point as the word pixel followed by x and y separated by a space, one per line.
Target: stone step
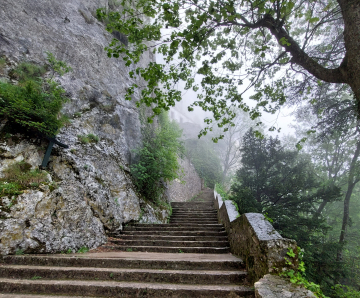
pixel 174 238
pixel 195 206
pixel 120 274
pixel 190 203
pixel 183 222
pixel 120 289
pixel 194 210
pixel 197 228
pixel 184 215
pixel 194 219
pixel 176 233
pixel 40 296
pixel 170 243
pixel 193 213
pixel 171 261
pixel 169 249
pixel 177 225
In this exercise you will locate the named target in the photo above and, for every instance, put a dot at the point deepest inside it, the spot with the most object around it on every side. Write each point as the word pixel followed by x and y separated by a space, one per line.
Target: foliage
pixel 90 138
pixel 334 148
pixel 284 185
pixel 299 277
pixel 346 292
pixel 35 103
pixel 19 252
pixel 57 66
pixel 18 177
pixel 234 46
pixel 156 161
pixel 82 250
pixel 205 160
pixel 220 190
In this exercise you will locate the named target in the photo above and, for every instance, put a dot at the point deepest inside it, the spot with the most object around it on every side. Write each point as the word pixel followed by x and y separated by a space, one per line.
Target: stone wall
pixel 254 239
pixel 93 192
pixel 189 185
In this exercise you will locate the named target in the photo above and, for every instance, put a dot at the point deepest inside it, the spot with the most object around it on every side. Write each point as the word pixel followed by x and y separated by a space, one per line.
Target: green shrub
pixel 35 103
pixel 18 177
pixel 26 71
pixel 220 190
pixel 90 138
pixel 156 160
pixel 342 291
pixel 82 250
pixel 93 138
pixel 299 277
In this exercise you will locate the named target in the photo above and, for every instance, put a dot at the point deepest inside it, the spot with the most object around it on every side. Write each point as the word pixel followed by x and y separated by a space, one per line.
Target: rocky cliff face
pixel 93 193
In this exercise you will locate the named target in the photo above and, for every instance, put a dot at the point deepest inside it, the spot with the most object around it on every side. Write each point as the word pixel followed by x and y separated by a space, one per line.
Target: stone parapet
pixel 253 238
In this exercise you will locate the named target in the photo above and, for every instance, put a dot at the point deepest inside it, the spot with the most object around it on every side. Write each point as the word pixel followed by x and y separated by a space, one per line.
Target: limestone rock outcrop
pixel 91 191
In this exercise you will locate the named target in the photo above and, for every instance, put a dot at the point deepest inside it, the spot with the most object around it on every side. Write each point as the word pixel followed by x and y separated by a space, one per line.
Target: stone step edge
pixel 163 263
pixel 178 238
pixel 171 249
pixel 126 270
pixel 120 285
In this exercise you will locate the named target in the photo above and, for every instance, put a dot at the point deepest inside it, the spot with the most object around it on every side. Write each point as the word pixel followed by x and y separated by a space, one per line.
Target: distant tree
pixel 205 159
pixel 284 185
pixel 228 149
pixel 335 147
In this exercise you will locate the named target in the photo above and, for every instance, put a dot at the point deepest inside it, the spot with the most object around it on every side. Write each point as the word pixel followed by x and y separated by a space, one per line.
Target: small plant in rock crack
pixel 36 277
pixel 129 249
pixel 111 275
pixel 19 252
pixel 82 250
pixel 180 251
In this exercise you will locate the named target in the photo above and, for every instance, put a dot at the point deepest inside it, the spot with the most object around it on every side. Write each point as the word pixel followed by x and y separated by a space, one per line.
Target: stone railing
pixel 263 249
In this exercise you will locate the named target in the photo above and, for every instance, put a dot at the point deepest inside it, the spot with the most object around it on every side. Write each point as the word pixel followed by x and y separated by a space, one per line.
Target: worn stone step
pixel 176 261
pixel 169 249
pixel 176 233
pixel 192 221
pixel 189 216
pixel 177 225
pixel 194 214
pixel 201 206
pixel 120 274
pixel 193 210
pixel 173 238
pixel 171 243
pixel 210 213
pixel 189 203
pixel 120 289
pixel 40 296
pixel 198 228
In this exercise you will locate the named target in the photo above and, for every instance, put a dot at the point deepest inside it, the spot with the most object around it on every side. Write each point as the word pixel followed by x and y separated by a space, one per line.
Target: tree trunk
pixel 352 180
pixel 350 10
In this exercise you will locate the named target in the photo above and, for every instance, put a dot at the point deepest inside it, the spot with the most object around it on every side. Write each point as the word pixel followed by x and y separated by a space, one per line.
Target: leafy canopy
pixel 232 46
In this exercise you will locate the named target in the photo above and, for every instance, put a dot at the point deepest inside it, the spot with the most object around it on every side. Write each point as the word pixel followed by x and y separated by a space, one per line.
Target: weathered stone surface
pixel 189 185
pixel 231 210
pixel 273 286
pixel 94 192
pixel 253 238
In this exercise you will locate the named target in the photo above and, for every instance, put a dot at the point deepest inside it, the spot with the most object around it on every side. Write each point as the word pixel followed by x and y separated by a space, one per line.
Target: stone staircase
pixel 189 257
